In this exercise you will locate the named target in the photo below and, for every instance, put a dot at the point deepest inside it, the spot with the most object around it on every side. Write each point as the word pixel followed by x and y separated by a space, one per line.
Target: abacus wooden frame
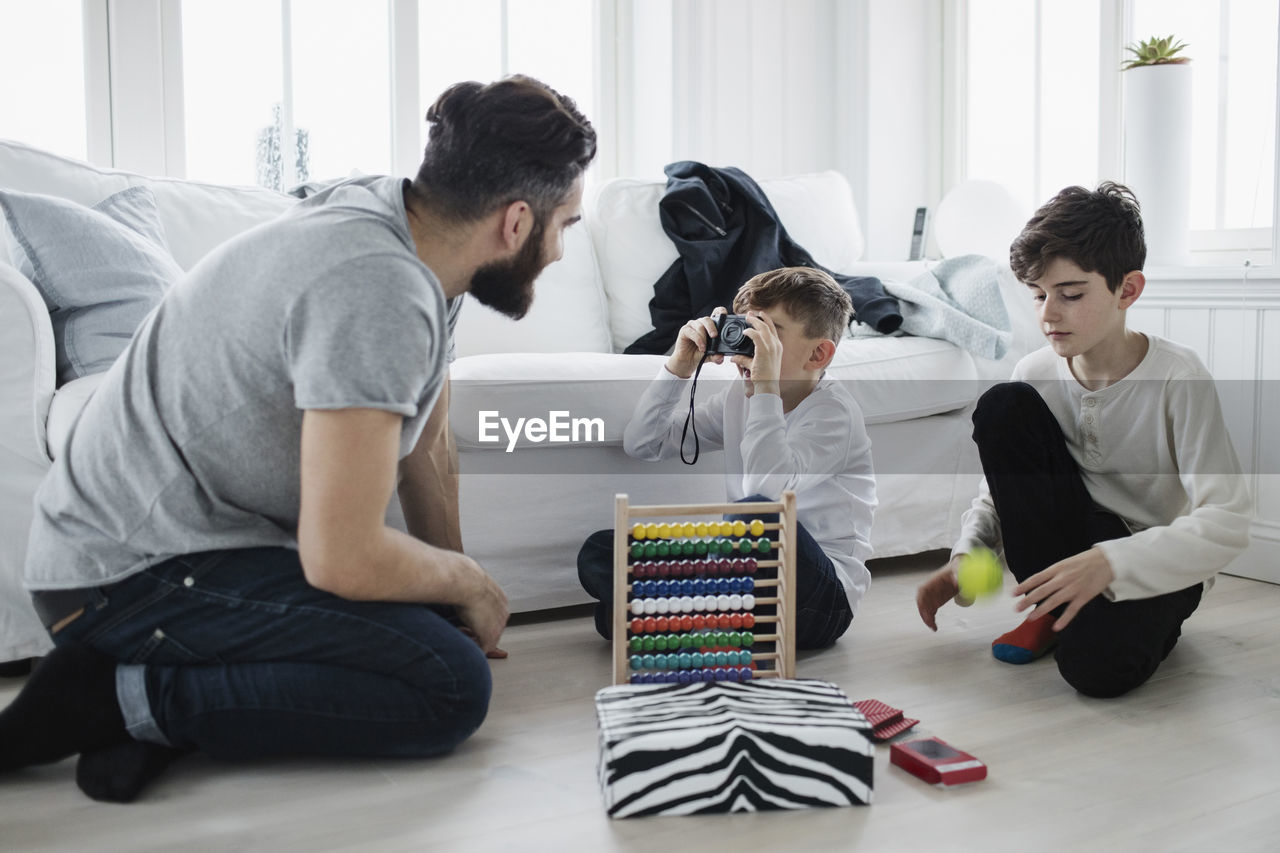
pixel 783 568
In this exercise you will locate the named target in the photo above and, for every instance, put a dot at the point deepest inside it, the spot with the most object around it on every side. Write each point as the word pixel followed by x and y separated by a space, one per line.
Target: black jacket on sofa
pixel 726 231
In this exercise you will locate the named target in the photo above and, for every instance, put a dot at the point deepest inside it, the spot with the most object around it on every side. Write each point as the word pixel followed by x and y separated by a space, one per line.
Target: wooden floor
pixel 1191 761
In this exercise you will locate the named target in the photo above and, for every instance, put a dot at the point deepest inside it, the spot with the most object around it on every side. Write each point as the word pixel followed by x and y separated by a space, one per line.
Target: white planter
pixel 1157 156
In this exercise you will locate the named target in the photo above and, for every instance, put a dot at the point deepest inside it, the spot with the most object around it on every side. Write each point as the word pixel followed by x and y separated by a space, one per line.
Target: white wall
pixel 777 87
pixel 904 123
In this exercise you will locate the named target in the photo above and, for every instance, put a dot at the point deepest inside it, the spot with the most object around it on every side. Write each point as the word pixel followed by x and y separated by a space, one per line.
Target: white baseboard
pixel 1261 561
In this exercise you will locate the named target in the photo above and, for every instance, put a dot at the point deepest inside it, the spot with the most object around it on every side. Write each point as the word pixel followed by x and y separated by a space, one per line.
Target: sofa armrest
pixel 27 370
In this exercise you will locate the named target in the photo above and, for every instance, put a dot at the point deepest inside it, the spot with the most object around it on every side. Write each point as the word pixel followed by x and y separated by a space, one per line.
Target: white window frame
pixel 135 101
pixel 1217 246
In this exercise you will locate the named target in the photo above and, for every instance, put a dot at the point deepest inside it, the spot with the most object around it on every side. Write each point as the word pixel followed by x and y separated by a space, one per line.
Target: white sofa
pixel 525 512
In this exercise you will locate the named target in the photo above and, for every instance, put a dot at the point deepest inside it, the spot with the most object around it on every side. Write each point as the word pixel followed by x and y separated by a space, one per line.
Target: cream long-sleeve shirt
pixel 820 450
pixel 1152 448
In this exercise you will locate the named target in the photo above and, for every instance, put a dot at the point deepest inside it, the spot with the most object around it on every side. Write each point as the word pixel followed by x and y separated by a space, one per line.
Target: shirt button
pixel 1093 439
pixel 188 581
pixel 1088 419
pixel 1090 402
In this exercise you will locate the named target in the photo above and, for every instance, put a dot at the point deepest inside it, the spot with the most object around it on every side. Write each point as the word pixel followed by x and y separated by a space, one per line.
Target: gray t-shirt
pixel 193 440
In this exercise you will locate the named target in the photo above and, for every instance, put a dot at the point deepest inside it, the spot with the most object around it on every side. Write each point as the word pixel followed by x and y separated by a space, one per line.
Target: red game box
pixel 937 762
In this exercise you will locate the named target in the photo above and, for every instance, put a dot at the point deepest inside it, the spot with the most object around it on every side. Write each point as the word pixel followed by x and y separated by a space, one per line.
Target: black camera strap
pixel 688 421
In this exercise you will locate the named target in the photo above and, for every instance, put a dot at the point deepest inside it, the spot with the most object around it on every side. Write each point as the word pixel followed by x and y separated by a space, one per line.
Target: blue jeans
pixel 822 606
pixel 234 654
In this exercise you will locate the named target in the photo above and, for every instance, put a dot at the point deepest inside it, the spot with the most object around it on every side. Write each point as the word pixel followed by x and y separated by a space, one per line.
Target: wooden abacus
pixel 771 572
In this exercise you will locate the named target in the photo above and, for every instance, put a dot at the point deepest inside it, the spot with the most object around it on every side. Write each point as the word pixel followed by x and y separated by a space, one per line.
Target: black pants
pixel 1046 515
pixel 822 607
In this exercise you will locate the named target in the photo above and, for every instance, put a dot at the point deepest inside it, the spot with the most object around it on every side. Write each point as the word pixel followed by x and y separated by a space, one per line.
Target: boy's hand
pixel 1074 582
pixel 691 343
pixel 940 588
pixel 763 370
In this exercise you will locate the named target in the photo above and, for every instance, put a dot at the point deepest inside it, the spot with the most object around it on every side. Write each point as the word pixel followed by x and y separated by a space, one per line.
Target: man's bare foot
pixel 937 590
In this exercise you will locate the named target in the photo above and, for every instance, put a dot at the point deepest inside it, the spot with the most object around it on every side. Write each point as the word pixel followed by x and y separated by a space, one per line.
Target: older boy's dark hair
pixel 516 139
pixel 809 295
pixel 1097 230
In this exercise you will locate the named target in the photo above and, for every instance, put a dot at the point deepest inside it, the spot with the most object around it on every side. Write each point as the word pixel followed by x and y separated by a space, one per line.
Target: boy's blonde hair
pixel 809 295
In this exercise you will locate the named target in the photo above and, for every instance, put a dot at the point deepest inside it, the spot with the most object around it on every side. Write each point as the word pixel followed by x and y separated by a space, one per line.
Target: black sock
pixel 118 773
pixel 67 706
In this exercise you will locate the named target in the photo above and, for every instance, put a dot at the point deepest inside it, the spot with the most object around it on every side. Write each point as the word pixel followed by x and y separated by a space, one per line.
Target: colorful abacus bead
pixel 757 527
pixel 763 545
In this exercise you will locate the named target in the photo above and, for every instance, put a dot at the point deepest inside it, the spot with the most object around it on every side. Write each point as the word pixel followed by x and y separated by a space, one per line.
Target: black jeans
pixel 1046 515
pixel 823 613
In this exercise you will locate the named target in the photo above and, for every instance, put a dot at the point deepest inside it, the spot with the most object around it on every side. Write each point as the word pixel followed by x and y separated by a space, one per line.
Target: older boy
pixel 783 425
pixel 1110 476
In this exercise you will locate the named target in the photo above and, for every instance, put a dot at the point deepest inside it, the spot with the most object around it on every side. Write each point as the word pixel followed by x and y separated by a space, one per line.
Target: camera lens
pixel 732 334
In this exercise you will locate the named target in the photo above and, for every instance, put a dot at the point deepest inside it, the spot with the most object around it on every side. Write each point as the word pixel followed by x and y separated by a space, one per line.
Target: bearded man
pixel 210 552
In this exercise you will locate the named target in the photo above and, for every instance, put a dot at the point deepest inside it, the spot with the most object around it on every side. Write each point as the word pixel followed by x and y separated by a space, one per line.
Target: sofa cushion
pixel 64 410
pixel 817 210
pixel 900 378
pixel 34 170
pixel 583 385
pixel 569 313
pixel 100 270
pixel 892 378
pixel 196 217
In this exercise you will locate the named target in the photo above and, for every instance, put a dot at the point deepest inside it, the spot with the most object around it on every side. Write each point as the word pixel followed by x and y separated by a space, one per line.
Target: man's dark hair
pixel 513 140
pixel 1097 230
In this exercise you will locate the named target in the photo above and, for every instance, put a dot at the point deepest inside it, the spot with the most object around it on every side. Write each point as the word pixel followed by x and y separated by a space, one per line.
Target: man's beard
pixel 507 286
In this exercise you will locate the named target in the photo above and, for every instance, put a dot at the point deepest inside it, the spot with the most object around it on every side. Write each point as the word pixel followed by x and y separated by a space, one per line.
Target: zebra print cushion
pixel 726 747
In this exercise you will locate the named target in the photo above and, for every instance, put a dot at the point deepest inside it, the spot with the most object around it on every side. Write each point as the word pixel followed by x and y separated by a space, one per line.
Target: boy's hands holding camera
pixel 694 338
pixel 761 372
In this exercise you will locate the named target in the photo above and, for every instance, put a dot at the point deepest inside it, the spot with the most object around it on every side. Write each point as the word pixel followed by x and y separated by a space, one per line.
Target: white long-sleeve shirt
pixel 820 450
pixel 1152 448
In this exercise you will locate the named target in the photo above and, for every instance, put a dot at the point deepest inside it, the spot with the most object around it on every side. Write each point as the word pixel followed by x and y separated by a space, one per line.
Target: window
pixel 290 90
pixel 1041 103
pixel 1233 48
pixel 232 84
pixel 42 76
pixel 1032 117
pixel 281 92
pixel 341 82
pixel 552 40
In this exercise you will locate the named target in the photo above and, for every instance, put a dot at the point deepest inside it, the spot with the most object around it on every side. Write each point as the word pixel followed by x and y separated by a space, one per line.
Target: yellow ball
pixel 979 574
pixel 757 527
pixel 637 531
pixel 726 528
pixel 651 530
pixel 688 529
pixel 701 528
pixel 664 530
pixel 739 528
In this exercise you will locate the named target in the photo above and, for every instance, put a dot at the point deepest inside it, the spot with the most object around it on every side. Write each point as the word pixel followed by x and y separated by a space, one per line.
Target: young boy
pixel 1110 477
pixel 783 426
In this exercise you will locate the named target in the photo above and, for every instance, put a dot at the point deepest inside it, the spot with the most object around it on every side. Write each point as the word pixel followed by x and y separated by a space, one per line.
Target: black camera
pixel 732 338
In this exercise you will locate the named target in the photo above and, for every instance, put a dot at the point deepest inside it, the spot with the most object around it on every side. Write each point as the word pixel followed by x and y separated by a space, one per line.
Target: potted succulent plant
pixel 1156 51
pixel 1157 143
